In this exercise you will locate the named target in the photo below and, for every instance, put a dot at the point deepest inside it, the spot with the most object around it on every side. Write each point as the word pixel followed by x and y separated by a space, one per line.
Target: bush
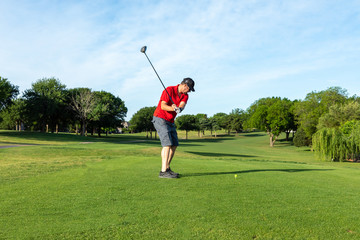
pixel 300 139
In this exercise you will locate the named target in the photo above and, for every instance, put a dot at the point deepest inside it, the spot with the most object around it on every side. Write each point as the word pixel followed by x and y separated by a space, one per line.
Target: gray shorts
pixel 166 131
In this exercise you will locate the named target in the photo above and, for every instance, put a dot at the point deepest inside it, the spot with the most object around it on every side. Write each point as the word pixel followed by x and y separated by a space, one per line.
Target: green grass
pixel 67 188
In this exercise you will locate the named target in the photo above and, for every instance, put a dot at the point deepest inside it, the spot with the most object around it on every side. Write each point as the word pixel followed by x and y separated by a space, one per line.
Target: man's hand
pixel 176 108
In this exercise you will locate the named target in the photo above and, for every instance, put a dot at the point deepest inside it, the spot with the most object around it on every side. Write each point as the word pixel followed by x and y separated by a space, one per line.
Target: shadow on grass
pixel 219 138
pixel 254 135
pixel 251 171
pixel 205 154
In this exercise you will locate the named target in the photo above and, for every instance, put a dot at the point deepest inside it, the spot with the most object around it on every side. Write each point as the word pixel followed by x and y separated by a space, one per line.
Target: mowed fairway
pixel 232 187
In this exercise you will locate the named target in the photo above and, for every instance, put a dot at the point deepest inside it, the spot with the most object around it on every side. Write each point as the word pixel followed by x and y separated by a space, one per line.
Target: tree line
pixel 328 120
pixel 50 107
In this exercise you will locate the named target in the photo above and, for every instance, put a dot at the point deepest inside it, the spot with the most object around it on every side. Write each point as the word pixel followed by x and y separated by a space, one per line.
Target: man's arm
pixel 166 107
pixel 182 105
pixel 172 108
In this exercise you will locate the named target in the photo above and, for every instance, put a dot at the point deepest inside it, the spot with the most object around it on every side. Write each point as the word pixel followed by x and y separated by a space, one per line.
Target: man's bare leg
pixel 167 154
pixel 171 155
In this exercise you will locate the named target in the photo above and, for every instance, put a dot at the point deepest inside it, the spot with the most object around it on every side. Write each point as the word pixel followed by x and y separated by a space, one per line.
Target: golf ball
pixel 235 175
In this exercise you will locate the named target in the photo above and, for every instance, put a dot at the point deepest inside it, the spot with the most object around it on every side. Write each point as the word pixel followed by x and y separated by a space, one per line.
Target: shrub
pixel 300 138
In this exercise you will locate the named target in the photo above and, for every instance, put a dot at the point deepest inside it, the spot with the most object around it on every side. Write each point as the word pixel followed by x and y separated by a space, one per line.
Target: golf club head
pixel 143 49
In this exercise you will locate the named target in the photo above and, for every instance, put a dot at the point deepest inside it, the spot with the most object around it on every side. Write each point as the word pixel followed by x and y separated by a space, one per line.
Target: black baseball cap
pixel 190 83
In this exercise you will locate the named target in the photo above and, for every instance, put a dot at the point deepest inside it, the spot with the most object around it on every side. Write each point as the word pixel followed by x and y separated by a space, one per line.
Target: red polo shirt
pixel 173 92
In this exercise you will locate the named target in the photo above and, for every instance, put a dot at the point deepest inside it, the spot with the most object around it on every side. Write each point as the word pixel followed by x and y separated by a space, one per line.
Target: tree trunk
pixel 186 131
pixel 287 135
pixel 99 131
pixel 272 139
pixel 57 128
pixel 47 128
pixel 76 129
pixel 83 129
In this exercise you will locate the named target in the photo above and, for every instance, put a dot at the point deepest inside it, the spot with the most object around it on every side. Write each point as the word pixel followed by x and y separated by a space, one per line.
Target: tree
pixel 186 122
pixel 201 123
pixel 45 103
pixel 83 102
pixel 338 144
pixel 13 115
pixel 215 124
pixel 8 92
pixel 235 120
pixel 142 120
pixel 339 114
pixel 309 111
pixel 272 115
pixel 221 119
pixel 110 111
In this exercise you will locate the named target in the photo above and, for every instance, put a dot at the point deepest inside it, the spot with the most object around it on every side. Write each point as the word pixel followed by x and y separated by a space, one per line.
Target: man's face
pixel 186 88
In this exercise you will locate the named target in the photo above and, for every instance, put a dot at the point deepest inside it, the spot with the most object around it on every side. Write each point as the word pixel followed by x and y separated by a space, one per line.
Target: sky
pixel 237 51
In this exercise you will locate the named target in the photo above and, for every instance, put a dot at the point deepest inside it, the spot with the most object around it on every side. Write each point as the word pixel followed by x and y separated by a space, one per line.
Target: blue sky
pixel 236 51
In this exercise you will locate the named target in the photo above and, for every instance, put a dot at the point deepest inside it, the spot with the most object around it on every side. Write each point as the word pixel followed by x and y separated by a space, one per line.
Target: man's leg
pixel 165 152
pixel 171 155
pixel 167 155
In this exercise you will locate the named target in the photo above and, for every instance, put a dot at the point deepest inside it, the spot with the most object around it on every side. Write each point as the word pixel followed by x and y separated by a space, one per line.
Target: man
pixel 172 101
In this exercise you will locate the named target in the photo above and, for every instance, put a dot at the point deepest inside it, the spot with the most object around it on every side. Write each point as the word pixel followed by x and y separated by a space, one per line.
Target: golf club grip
pixel 159 77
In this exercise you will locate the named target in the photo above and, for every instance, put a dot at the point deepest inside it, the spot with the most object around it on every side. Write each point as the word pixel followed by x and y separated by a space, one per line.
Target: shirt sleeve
pixel 165 96
pixel 185 98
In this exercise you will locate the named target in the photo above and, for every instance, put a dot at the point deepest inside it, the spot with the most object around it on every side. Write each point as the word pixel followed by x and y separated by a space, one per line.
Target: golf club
pixel 143 50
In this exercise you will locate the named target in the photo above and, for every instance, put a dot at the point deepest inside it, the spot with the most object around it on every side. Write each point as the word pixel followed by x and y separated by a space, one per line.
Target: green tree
pixel 14 115
pixel 45 103
pixel 186 122
pixel 142 120
pixel 271 115
pixel 201 123
pixel 309 111
pixel 221 119
pixel 339 114
pixel 235 120
pixel 214 125
pixel 338 144
pixel 110 111
pixel 8 92
pixel 288 116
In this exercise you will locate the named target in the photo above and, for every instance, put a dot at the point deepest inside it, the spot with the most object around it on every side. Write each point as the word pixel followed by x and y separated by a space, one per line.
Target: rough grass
pixel 232 187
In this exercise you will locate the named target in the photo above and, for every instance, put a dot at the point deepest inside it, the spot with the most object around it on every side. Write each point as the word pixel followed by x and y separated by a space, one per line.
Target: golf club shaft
pixel 158 77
